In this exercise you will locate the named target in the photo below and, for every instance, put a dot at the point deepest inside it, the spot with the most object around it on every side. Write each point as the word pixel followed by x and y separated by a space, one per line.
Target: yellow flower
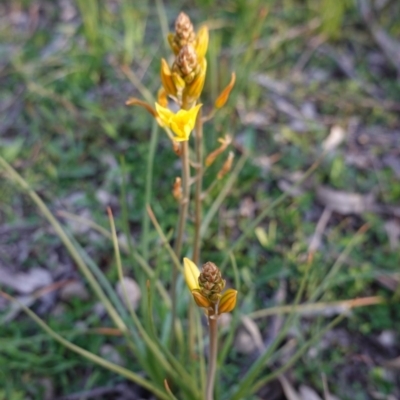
pixel 191 273
pixel 181 123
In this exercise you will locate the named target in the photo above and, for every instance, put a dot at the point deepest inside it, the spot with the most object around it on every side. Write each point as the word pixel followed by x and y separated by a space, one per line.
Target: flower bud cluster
pixel 207 288
pixel 184 82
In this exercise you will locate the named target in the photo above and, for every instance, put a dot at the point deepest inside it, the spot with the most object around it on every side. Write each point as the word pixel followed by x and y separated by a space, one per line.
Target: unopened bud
pixel 166 78
pixel 223 97
pixel 210 282
pixel 200 299
pixel 178 81
pixel 186 63
pixel 202 42
pixel 184 28
pixel 177 189
pixel 162 97
pixel 176 147
pixel 191 273
pixel 227 166
pixel 227 302
pixel 193 91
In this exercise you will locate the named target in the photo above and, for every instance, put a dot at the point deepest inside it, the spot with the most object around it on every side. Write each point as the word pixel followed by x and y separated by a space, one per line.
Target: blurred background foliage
pixel 303 67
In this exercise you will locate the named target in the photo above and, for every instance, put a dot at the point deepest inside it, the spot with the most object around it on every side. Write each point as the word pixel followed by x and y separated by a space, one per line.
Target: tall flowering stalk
pixel 206 287
pixel 182 84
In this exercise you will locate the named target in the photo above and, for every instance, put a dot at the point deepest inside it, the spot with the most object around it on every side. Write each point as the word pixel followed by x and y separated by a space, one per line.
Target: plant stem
pixel 212 359
pixel 183 210
pixel 199 181
pixel 185 198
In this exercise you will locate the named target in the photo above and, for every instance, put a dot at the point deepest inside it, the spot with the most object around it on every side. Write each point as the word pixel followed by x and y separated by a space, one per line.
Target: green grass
pixel 65 128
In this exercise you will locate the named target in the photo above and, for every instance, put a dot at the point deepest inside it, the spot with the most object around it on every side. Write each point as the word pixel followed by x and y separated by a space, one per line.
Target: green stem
pixel 212 361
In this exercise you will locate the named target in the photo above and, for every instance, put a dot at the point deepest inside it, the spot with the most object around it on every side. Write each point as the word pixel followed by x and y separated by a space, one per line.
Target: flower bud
pixel 186 63
pixel 162 97
pixel 184 32
pixel 193 91
pixel 210 282
pixel 176 147
pixel 177 188
pixel 213 155
pixel 227 166
pixel 223 97
pixel 200 299
pixel 227 302
pixel 191 273
pixel 202 42
pixel 166 79
pixel 178 81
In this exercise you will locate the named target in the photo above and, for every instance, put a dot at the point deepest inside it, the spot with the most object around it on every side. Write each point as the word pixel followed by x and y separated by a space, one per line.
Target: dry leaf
pixel 345 202
pixel 249 339
pixel 334 139
pixel 307 393
pixel 288 389
pixel 392 229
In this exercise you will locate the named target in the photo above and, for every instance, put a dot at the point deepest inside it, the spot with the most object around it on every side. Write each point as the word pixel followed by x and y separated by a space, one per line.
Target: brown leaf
pixel 345 202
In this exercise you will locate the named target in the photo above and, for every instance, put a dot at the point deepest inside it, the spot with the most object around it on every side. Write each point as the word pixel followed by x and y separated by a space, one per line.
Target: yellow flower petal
pixel 164 115
pixel 181 123
pixel 191 273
